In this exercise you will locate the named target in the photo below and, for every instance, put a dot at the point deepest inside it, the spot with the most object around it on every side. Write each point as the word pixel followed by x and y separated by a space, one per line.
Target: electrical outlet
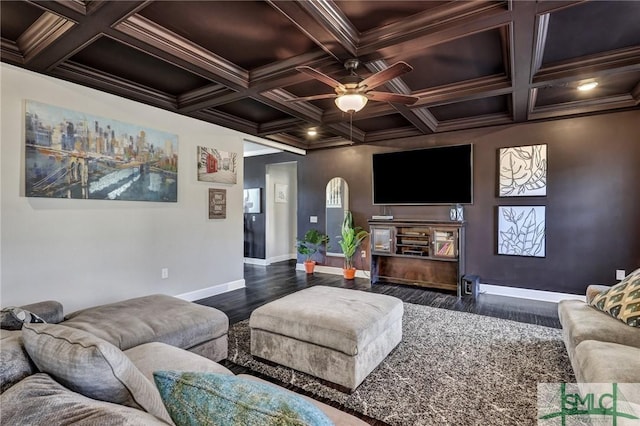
pixel 620 274
pixel 165 273
pixel 363 254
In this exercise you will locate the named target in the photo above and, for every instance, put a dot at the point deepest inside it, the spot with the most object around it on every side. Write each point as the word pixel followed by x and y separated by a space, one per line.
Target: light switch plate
pixel 620 274
pixel 313 219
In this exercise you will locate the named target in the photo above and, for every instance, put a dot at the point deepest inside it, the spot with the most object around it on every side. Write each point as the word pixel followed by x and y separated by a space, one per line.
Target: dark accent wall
pixel 254 177
pixel 592 202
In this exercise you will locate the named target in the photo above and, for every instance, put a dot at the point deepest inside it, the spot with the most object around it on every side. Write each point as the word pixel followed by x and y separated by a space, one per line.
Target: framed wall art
pixel 252 200
pixel 217 203
pixel 74 154
pixel 523 171
pixel 217 166
pixel 521 230
pixel 282 193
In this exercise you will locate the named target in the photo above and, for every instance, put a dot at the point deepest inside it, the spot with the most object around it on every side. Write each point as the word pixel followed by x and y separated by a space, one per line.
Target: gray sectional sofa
pixel 149 334
pixel 601 348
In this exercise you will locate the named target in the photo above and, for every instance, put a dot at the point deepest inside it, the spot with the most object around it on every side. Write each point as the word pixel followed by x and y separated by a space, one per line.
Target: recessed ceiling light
pixel 312 132
pixel 587 86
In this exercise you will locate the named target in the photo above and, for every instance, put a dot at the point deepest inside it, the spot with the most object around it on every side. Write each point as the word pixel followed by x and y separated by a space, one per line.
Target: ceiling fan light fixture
pixel 351 102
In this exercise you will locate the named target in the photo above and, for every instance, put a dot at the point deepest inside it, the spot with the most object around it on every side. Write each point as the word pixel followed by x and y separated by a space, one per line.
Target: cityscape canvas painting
pixel 73 154
pixel 523 171
pixel 217 166
pixel 521 230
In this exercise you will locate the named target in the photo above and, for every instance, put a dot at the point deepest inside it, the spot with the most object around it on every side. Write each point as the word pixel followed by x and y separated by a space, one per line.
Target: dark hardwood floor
pixel 264 284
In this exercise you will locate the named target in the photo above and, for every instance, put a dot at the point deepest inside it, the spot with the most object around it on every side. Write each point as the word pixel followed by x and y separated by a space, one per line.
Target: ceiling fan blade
pixel 385 75
pixel 312 72
pixel 313 98
pixel 392 97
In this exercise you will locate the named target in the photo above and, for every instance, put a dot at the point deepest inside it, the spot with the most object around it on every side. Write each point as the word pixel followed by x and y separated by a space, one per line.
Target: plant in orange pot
pixel 351 238
pixel 309 246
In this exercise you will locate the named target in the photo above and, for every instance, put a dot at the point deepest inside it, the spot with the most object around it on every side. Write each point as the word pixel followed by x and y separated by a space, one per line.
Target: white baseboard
pixel 333 270
pixel 255 261
pixel 212 291
pixel 269 261
pixel 525 293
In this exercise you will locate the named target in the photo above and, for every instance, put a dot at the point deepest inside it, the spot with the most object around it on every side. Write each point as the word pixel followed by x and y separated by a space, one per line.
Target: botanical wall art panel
pixel 217 203
pixel 523 171
pixel 252 198
pixel 521 230
pixel 217 166
pixel 74 154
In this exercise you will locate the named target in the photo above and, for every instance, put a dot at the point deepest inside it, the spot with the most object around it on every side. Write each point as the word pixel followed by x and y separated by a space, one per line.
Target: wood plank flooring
pixel 264 284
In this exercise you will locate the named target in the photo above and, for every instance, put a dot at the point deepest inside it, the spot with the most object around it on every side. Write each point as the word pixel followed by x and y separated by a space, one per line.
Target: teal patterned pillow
pixel 200 399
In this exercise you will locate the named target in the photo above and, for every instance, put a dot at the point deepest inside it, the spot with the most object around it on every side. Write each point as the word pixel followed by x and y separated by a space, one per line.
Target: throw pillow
pixel 12 318
pixel 90 366
pixel 622 301
pixel 221 400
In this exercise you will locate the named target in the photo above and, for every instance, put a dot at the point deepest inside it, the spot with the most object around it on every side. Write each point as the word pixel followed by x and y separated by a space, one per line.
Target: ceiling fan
pixel 353 92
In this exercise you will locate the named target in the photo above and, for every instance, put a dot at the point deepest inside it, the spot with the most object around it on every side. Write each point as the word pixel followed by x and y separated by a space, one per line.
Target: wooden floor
pixel 264 284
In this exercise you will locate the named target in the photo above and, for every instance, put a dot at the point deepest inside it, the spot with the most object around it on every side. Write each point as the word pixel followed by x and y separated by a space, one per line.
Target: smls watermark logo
pixel 615 404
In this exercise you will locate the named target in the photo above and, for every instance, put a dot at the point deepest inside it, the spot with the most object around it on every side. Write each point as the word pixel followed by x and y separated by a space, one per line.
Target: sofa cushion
pixel 605 362
pixel 219 399
pixel 582 322
pixel 155 318
pixel 88 365
pixel 12 318
pixel 156 356
pixel 40 400
pixel 15 363
pixel 622 301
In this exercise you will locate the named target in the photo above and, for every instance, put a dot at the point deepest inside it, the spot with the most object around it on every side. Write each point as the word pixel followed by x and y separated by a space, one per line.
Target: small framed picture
pixel 217 203
pixel 282 193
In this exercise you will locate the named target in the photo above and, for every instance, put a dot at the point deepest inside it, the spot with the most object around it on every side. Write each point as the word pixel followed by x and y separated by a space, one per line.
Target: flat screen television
pixel 442 175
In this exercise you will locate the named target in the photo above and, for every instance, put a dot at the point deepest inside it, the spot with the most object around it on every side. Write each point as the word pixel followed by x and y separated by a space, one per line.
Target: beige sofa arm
pixel 594 289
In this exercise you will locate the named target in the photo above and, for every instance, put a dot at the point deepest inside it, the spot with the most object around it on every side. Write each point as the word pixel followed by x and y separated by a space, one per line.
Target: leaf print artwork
pixel 521 230
pixel 523 171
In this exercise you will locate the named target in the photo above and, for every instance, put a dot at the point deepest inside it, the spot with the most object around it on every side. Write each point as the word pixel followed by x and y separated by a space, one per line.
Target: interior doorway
pixel 281 224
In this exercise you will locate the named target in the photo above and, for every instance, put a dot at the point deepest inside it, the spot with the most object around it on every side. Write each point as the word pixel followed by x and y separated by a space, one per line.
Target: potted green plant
pixel 351 238
pixel 309 246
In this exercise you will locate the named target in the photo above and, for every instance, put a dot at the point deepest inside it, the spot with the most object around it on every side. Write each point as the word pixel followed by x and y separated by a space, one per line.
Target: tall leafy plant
pixel 351 238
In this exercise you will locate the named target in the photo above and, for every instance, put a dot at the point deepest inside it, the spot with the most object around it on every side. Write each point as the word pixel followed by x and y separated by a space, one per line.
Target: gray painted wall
pixel 86 252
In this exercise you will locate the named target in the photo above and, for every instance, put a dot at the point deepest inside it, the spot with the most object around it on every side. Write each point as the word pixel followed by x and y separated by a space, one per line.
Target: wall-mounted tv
pixel 442 175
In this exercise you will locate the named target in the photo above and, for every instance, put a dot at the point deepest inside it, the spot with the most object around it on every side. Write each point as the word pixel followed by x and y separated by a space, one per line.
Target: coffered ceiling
pixel 232 63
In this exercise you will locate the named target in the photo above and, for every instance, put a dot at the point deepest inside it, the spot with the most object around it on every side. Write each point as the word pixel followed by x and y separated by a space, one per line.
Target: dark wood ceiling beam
pixel 10 52
pixel 336 142
pixel 473 122
pixel 278 99
pixel 548 6
pixel 323 23
pixel 93 78
pixel 464 91
pixel 202 98
pixel 42 33
pixel 622 60
pixel 635 93
pixel 584 107
pixel 154 35
pixel 347 131
pixel 81 6
pixel 425 30
pixel 281 126
pixel 397 133
pixel 226 120
pixel 522 42
pixel 288 140
pixel 92 26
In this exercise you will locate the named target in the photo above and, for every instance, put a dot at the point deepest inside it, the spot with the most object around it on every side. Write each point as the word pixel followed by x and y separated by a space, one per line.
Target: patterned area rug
pixel 451 368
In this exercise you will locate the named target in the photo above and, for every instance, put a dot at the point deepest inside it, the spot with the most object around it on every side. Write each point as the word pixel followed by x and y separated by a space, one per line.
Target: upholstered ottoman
pixel 336 334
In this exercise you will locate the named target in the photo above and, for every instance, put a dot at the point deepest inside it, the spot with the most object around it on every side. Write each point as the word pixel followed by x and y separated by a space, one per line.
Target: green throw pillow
pixel 219 399
pixel 622 301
